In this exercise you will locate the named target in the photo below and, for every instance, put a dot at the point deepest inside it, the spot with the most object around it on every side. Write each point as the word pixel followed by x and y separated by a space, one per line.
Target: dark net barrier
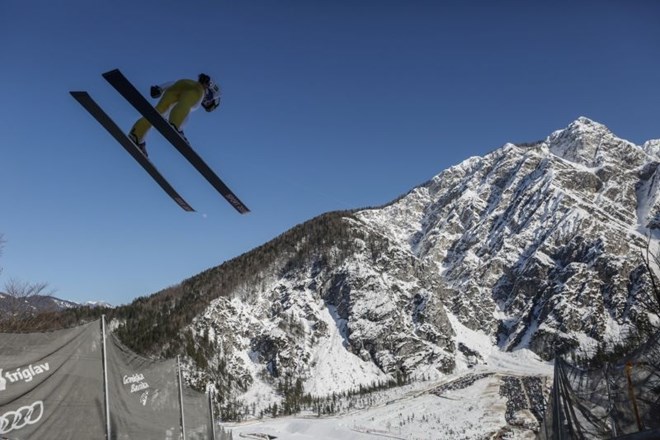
pixel 620 400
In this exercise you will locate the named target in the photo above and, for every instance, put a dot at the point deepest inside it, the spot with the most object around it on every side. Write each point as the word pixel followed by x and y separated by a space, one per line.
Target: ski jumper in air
pixel 179 98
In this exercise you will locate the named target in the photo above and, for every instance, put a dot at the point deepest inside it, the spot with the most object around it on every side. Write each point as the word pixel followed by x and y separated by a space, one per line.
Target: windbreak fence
pixel 77 384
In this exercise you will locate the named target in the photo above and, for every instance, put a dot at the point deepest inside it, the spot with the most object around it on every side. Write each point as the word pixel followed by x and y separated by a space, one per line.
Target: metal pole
pixel 631 394
pixel 212 418
pixel 610 403
pixel 105 380
pixel 183 420
pixel 557 422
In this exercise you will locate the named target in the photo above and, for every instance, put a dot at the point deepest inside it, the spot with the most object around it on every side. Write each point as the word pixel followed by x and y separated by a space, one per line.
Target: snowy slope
pixel 474 409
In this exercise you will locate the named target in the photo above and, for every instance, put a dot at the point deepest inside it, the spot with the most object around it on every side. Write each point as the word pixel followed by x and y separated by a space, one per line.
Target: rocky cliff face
pixel 536 246
pixel 337 319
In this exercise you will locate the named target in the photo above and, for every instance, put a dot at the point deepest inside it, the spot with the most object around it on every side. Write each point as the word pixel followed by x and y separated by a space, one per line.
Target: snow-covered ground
pixel 423 410
pixel 475 412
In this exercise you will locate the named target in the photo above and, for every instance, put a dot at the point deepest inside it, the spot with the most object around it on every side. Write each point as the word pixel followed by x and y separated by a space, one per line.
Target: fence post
pixel 183 420
pixel 610 403
pixel 631 393
pixel 212 417
pixel 105 380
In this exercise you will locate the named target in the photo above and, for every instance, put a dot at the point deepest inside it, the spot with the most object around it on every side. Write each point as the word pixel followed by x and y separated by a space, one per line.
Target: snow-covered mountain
pixel 539 244
pixel 532 250
pixel 33 304
pixel 29 305
pixel 94 304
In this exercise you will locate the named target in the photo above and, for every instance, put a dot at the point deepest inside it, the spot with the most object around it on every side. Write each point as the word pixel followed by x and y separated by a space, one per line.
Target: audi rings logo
pixel 23 416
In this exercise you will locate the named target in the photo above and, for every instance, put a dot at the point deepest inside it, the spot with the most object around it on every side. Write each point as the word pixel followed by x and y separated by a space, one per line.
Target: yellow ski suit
pixel 179 98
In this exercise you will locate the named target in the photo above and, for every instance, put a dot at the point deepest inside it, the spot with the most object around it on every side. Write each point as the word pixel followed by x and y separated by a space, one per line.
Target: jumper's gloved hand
pixel 212 96
pixel 211 105
pixel 156 91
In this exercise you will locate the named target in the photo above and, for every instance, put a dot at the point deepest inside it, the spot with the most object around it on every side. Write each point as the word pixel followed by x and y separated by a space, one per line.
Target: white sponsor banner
pixel 22 374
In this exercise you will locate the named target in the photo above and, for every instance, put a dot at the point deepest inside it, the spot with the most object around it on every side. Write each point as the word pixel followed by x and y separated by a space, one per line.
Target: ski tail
pixel 102 117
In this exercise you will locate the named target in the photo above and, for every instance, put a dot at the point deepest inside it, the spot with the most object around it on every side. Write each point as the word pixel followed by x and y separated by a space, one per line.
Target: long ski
pixel 133 96
pixel 102 117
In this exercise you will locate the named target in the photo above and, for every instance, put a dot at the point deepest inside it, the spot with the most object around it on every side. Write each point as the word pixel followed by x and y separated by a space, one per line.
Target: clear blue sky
pixel 327 105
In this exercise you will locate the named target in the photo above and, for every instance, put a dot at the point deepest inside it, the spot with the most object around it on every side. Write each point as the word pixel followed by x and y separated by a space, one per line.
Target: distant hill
pixel 36 304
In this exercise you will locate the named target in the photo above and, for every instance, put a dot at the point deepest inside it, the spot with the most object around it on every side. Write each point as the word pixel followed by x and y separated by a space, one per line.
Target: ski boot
pixel 180 132
pixel 142 146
